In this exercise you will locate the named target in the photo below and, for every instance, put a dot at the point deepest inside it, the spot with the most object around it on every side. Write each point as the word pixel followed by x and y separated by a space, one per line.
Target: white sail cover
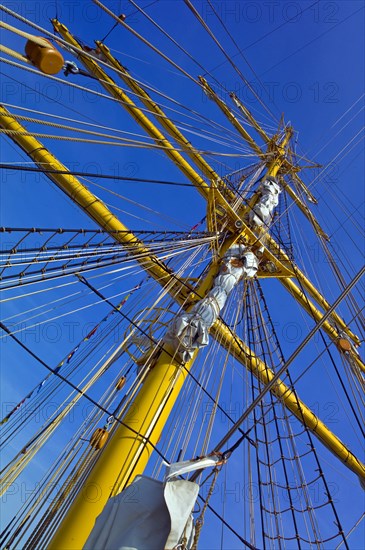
pixel 150 514
pixel 262 212
pixel 190 330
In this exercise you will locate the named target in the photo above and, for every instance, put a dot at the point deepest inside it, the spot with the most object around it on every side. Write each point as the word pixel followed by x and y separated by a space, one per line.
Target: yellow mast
pixel 152 106
pixel 137 114
pixel 202 187
pixel 127 454
pixel 303 280
pixel 253 122
pixel 268 141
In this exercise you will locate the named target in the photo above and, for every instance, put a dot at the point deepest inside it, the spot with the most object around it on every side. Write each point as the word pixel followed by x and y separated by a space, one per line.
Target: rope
pixel 94 175
pixel 14 54
pixel 76 388
pixel 206 27
pixel 39 41
pixel 279 373
pixel 159 52
pixel 200 520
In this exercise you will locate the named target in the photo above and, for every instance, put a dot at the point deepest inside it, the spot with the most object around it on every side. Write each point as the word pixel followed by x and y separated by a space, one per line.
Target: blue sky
pixel 308 63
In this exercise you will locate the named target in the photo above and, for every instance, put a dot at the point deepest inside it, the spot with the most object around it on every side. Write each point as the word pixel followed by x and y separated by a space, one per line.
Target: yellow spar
pixel 127 454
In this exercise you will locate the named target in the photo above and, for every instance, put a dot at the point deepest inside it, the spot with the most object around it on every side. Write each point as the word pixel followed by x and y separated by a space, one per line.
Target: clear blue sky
pixel 308 63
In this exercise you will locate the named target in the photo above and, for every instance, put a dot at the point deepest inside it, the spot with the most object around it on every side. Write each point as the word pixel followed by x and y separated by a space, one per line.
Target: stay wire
pixel 242 54
pixel 161 347
pixel 281 371
pixel 76 388
pixel 287 20
pixel 211 34
pixel 311 41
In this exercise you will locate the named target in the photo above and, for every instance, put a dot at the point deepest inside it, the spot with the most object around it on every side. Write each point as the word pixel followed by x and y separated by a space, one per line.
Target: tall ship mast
pixel 181 277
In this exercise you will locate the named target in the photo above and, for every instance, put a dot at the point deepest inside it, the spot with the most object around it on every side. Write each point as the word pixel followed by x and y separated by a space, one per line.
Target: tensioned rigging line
pixel 78 294
pixel 99 94
pixel 100 231
pixel 23 19
pixel 242 55
pixel 348 110
pixel 251 385
pixel 318 151
pixel 334 364
pixel 338 375
pixel 73 48
pixel 165 33
pixel 288 374
pixel 94 124
pixel 119 253
pixel 343 387
pixel 296 270
pixel 211 34
pixel 76 129
pixel 290 206
pixel 309 509
pixel 70 268
pixel 330 163
pixel 104 410
pixel 158 345
pixel 265 332
pixel 145 41
pixel 31 277
pixel 104 249
pixel 341 152
pixel 82 279
pixel 358 209
pixel 331 260
pixel 62 40
pixel 123 142
pixel 313 40
pixel 357 523
pixel 125 17
pixel 27 86
pixel 53 385
pixel 176 43
pixel 282 370
pixel 287 20
pixel 95 403
pixel 109 12
pixel 321 137
pixel 198 117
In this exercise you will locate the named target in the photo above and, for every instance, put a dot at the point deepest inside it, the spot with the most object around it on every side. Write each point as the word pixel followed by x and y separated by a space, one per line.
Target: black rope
pixel 161 347
pixel 326 486
pixel 92 175
pixel 76 388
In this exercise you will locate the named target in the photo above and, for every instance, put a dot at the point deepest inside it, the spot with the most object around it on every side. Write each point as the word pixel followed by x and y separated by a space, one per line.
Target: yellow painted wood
pixel 111 86
pixel 126 454
pixel 161 117
pixel 303 280
pixel 242 131
pixel 243 354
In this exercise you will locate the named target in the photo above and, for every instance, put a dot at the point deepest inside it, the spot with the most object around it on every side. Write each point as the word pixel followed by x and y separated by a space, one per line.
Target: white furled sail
pixel 151 514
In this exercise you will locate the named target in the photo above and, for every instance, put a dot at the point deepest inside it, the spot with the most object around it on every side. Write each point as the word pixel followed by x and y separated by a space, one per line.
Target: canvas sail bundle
pixel 262 212
pixel 151 514
pixel 190 330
